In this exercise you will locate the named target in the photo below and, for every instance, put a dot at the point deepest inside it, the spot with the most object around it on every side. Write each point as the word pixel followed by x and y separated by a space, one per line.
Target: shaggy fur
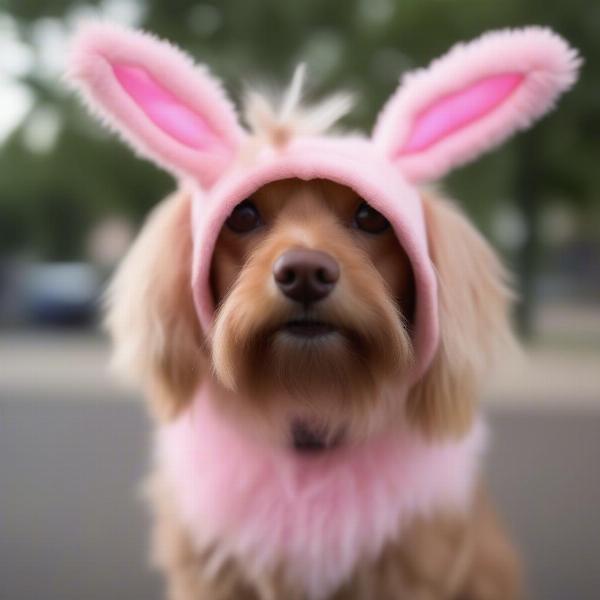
pixel 424 559
pixel 389 505
pixel 375 348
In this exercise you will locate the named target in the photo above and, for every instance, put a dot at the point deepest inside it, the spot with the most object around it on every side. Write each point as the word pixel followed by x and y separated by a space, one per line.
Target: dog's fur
pixel 158 339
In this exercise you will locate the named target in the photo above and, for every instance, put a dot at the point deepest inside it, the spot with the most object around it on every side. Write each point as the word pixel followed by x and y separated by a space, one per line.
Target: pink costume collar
pixel 314 516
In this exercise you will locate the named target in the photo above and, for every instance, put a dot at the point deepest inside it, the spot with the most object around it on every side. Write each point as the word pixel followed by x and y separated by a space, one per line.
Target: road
pixel 74 447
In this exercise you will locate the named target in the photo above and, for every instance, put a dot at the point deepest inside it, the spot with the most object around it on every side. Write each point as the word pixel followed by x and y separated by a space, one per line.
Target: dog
pixel 312 325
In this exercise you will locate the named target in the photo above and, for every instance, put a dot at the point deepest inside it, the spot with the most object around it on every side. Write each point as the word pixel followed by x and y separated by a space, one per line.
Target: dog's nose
pixel 306 275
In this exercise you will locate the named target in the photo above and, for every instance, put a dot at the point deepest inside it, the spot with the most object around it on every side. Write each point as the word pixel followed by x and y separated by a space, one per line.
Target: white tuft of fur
pixel 278 118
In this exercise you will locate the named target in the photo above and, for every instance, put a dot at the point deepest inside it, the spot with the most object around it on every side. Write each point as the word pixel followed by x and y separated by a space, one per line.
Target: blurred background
pixel 73 445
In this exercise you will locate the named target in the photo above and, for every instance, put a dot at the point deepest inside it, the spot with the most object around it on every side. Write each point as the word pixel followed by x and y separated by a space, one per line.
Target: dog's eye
pixel 369 220
pixel 244 218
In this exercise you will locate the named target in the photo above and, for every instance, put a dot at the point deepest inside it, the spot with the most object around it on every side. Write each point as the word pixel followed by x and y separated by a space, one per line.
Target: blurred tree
pixel 51 192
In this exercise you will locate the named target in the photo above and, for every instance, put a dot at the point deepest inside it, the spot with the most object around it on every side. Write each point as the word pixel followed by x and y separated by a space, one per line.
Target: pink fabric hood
pixel 177 115
pixel 351 162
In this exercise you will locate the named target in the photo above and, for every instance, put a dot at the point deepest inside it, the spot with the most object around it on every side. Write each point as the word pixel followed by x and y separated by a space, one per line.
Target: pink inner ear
pixel 457 110
pixel 163 109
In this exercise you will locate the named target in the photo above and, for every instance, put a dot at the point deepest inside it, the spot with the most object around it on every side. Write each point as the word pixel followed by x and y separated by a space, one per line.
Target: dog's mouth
pixel 310 439
pixel 308 328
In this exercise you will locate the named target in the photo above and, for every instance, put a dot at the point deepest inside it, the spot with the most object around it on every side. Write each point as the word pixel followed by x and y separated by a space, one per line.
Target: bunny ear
pixel 168 109
pixel 472 99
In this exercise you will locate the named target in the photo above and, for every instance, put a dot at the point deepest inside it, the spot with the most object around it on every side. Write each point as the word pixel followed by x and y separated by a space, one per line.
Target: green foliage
pixel 49 200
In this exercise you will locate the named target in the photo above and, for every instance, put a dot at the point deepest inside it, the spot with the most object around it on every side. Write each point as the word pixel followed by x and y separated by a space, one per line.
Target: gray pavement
pixel 74 448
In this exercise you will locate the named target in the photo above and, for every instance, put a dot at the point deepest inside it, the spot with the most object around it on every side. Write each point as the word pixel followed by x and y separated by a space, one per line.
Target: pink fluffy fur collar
pixel 315 517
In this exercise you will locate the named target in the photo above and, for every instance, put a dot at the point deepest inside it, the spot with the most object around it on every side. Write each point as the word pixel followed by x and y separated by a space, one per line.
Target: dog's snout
pixel 306 275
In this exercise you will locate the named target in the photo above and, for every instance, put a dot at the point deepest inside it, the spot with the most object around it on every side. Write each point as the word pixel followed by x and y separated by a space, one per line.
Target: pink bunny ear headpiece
pixel 170 110
pixel 462 105
pixel 472 99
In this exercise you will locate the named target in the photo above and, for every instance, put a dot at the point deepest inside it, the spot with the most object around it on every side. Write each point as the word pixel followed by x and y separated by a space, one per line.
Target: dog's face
pixel 315 295
pixel 315 301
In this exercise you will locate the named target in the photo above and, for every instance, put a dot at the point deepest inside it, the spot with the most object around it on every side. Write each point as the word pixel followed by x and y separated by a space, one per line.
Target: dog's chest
pixel 314 518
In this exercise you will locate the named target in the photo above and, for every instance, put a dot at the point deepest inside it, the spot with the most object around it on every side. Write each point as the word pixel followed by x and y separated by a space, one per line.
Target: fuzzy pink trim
pixel 547 65
pixel 103 62
pixel 316 517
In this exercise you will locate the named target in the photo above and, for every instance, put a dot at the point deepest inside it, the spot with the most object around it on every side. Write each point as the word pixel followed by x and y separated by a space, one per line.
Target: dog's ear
pixel 150 310
pixel 474 305
pixel 170 110
pixel 472 99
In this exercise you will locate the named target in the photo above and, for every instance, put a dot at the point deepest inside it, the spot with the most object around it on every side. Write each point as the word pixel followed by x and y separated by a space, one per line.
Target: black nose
pixel 305 275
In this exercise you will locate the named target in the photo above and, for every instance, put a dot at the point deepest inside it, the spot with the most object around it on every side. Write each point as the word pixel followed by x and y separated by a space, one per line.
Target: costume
pixel 320 515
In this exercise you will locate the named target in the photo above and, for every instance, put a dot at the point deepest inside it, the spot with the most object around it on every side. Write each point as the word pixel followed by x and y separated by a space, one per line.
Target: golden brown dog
pixel 264 344
pixel 311 327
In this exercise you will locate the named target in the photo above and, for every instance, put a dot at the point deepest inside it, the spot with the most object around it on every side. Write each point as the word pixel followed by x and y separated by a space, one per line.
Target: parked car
pixel 52 293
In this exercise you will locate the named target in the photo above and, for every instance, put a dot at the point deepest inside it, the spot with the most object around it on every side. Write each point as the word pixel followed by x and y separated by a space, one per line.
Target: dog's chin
pixel 310 357
pixel 314 355
pixel 318 381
